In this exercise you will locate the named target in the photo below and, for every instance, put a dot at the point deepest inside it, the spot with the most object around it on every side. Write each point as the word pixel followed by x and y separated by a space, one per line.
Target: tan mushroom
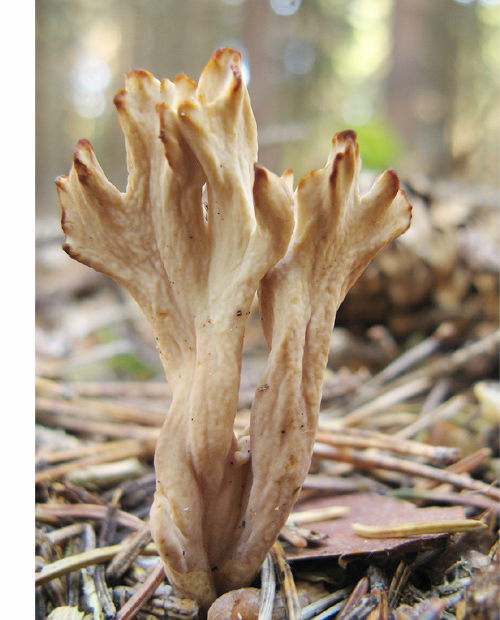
pixel 194 270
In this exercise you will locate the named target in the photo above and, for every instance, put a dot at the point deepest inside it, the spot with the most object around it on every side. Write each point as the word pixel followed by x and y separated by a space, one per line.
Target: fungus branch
pixel 194 270
pixel 336 234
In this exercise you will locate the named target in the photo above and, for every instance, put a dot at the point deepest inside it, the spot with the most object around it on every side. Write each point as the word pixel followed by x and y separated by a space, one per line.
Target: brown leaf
pixel 370 509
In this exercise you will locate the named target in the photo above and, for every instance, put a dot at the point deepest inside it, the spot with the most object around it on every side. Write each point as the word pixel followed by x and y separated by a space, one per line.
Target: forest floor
pixel 408 440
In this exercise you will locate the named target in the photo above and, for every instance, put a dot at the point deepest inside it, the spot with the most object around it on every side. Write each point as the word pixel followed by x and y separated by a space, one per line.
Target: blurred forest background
pixel 415 351
pixel 418 80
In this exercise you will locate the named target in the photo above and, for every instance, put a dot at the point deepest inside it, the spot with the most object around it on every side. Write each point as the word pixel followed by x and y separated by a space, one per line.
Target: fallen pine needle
pixel 373 460
pixel 359 591
pixel 440 497
pixel 81 560
pixel 51 512
pixel 419 528
pixel 380 441
pixel 119 451
pixel 143 594
pixel 317 514
pixel 268 589
pixel 287 583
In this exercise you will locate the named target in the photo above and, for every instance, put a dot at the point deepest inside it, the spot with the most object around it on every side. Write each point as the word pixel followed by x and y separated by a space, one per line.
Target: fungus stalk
pixel 193 269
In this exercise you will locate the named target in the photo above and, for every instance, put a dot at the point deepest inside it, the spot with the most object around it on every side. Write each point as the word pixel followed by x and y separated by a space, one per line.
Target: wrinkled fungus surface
pixel 194 268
